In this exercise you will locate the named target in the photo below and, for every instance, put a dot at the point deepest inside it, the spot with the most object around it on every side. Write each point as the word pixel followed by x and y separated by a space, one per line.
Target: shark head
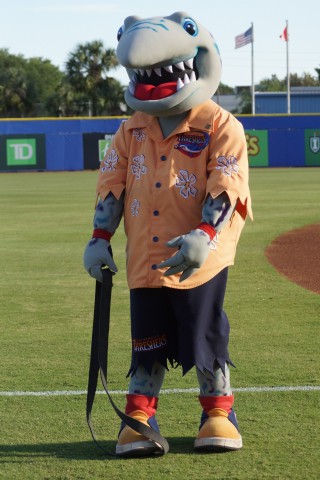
pixel 173 63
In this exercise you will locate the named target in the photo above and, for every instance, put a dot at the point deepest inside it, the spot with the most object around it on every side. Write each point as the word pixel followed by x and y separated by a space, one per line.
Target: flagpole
pixel 252 75
pixel 288 72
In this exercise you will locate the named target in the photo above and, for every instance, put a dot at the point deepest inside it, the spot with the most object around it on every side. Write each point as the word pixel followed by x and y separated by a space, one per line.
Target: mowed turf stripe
pixel 169 391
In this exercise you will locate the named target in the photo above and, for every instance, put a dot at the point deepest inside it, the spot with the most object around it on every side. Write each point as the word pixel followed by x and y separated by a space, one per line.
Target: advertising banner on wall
pixel 103 146
pixel 56 145
pixel 22 152
pixel 312 147
pixel 95 146
pixel 257 144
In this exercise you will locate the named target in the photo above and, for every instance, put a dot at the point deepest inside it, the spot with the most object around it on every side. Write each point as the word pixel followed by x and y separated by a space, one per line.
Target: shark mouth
pixel 163 81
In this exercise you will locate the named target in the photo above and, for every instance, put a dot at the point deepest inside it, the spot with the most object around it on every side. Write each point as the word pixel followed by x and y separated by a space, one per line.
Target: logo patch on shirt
pixel 186 184
pixel 192 143
pixel 228 165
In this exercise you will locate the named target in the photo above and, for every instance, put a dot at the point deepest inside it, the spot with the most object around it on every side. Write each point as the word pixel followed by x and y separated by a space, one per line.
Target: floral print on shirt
pixel 139 134
pixel 186 183
pixel 135 207
pixel 228 165
pixel 110 162
pixel 137 166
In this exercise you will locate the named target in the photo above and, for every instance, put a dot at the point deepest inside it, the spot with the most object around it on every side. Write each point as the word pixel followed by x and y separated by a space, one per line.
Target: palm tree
pixel 14 98
pixel 13 85
pixel 86 71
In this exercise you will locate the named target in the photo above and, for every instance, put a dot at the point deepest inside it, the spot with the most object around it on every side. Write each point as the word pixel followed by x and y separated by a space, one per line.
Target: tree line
pixel 34 87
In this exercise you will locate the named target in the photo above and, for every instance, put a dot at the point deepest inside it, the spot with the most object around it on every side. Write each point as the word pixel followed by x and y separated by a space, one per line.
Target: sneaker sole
pixel 217 444
pixel 139 449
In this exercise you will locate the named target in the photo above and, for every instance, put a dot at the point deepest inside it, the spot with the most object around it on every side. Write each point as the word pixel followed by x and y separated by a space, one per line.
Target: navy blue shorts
pixel 185 327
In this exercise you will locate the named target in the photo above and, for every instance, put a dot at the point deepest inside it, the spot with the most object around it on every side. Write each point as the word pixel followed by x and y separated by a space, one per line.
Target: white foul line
pixel 168 391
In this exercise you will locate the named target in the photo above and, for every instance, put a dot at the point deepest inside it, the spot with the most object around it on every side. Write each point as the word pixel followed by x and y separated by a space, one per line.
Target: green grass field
pixel 46 308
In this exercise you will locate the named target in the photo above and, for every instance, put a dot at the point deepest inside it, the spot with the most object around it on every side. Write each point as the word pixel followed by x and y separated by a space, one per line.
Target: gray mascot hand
pixel 96 255
pixel 193 252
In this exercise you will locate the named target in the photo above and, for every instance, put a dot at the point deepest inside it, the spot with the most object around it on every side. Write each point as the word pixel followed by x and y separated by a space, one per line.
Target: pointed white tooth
pixel 131 88
pixel 158 71
pixel 141 71
pixel 134 79
pixel 136 70
pixel 179 84
pixel 186 79
pixel 193 77
pixel 189 63
pixel 168 68
pixel 149 71
pixel 179 65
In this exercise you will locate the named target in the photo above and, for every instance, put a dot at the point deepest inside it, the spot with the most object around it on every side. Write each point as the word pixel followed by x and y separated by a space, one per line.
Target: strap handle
pixel 99 362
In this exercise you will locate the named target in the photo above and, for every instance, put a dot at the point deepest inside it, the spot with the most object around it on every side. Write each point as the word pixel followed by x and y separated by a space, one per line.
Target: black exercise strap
pixel 99 361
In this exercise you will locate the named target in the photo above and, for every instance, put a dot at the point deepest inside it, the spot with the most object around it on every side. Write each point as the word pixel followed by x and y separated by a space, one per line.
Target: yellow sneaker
pixel 218 432
pixel 133 444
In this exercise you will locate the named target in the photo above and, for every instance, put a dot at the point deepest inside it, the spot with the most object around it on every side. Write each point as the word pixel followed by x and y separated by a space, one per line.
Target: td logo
pixel 21 151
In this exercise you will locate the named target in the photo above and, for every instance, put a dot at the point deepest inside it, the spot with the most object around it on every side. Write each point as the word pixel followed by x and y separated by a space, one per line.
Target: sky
pixel 52 29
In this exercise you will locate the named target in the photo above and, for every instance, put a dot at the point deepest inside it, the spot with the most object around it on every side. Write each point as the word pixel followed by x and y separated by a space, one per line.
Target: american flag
pixel 244 38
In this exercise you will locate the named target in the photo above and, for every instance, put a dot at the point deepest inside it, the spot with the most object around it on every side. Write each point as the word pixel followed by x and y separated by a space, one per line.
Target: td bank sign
pixel 25 152
pixel 22 151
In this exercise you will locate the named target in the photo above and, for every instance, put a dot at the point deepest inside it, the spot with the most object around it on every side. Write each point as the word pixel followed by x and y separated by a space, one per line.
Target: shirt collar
pixel 199 118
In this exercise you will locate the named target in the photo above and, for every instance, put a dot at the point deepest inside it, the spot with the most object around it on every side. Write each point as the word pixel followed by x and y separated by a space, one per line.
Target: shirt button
pixel 155 239
pixel 154 266
pixel 163 158
pixel 156 213
pixel 158 185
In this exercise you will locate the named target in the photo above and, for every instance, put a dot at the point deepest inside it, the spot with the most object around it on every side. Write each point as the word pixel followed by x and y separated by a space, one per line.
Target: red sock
pixel 141 402
pixel 209 402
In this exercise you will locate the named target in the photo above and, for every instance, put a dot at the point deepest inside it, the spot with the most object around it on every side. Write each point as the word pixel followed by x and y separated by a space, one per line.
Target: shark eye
pixel 120 32
pixel 190 27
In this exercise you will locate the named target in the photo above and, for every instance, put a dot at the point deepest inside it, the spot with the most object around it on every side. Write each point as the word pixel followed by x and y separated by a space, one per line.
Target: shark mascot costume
pixel 177 171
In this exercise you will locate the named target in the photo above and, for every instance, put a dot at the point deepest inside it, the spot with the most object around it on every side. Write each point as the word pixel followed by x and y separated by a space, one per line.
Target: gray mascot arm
pixel 194 247
pixel 98 251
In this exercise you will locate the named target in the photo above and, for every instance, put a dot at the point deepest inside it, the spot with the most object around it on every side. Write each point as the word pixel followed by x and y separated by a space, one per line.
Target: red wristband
pixel 100 233
pixel 207 228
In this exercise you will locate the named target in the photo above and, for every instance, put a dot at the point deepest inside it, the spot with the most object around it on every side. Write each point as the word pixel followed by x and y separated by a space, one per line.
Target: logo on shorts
pixel 147 344
pixel 192 143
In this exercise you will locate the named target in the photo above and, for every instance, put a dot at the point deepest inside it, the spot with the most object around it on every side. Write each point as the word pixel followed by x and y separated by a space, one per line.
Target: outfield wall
pixel 80 143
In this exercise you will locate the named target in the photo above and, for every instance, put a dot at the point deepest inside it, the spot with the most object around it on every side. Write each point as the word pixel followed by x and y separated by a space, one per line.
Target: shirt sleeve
pixel 228 169
pixel 113 168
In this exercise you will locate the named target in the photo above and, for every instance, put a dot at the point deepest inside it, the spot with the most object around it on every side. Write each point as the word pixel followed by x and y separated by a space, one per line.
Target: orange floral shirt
pixel 166 182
